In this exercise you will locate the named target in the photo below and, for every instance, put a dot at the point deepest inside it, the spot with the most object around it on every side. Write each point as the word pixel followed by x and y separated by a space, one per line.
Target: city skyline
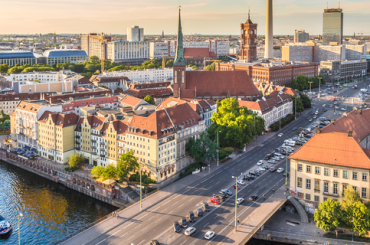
pixel 205 17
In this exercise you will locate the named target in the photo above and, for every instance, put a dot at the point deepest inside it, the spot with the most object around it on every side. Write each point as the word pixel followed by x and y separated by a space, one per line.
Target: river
pixel 51 211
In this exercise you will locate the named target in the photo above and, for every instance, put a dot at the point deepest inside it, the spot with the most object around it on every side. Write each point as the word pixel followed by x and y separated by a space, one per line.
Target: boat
pixel 5 227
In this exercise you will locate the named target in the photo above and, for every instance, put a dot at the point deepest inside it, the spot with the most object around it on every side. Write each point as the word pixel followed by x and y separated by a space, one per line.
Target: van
pixel 289 143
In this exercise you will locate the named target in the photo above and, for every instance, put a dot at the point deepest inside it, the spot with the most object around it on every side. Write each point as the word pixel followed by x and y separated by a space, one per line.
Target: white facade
pixel 149 75
pixel 354 52
pixel 120 51
pixel 42 76
pixel 135 34
pixel 330 52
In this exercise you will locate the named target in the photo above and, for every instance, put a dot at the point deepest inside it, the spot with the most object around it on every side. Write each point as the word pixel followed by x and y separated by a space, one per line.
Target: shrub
pixel 284 121
pixel 190 169
pixel 229 150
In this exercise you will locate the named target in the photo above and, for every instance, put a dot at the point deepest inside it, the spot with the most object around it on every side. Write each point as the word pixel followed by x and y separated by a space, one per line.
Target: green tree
pixel 127 163
pixel 15 69
pixel 76 160
pixel 211 67
pixel 90 67
pixel 351 198
pixel 149 99
pixel 4 68
pixel 94 59
pixel 299 104
pixel 305 100
pixel 110 172
pixel 169 63
pixel 97 171
pixel 202 149
pixel 361 218
pixel 328 216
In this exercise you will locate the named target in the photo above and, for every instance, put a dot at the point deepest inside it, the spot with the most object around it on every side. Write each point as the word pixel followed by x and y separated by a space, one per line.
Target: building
pixel 111 83
pixel 12 58
pixel 95 45
pixel 55 56
pixel 332 26
pixel 338 71
pixel 276 72
pixel 158 94
pixel 204 108
pixel 330 52
pixel 135 34
pixel 56 133
pixel 267 89
pixel 355 52
pixel 321 169
pixel 367 58
pixel 144 76
pixel 248 50
pixel 269 37
pixel 297 52
pixel 126 51
pixel 9 102
pixel 208 84
pixel 271 108
pixel 301 36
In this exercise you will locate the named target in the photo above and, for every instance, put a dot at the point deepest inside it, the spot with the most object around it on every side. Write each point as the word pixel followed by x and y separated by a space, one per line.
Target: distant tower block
pixel 269 38
pixel 249 33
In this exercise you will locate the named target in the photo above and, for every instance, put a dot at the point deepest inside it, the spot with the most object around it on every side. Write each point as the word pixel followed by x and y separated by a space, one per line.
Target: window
pixel 344 188
pixel 308 184
pixel 299 167
pixel 326 187
pixel 317 170
pixel 317 199
pixel 317 185
pixel 300 195
pixel 325 198
pixel 326 171
pixel 335 173
pixel 335 189
pixel 364 176
pixel 345 174
pixel 299 182
pixel 363 193
pixel 354 175
pixel 308 197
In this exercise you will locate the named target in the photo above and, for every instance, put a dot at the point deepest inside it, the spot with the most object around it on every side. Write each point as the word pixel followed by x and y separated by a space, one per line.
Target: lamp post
pixel 295 109
pixel 19 232
pixel 236 203
pixel 141 190
pixel 319 86
pixel 310 85
pixel 218 146
pixel 286 166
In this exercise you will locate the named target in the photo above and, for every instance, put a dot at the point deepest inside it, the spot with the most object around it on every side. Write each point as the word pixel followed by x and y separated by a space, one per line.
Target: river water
pixel 51 211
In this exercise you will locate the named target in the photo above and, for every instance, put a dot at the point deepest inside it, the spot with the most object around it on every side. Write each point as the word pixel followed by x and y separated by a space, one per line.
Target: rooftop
pixel 54 53
pixel 16 54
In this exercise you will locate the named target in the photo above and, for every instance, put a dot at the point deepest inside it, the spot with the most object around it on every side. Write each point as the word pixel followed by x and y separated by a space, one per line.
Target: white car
pixel 262 169
pixel 280 170
pixel 281 134
pixel 276 158
pixel 343 109
pixel 271 161
pixel 260 162
pixel 239 201
pixel 209 235
pixel 190 231
pixel 241 182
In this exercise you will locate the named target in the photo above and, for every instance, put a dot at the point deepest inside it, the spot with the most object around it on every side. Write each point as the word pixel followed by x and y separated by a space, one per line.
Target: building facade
pixel 143 76
pixel 338 71
pixel 56 56
pixel 12 58
pixel 330 52
pixel 135 34
pixel 95 45
pixel 301 36
pixel 124 51
pixel 248 51
pixel 355 52
pixel 332 26
pixel 297 52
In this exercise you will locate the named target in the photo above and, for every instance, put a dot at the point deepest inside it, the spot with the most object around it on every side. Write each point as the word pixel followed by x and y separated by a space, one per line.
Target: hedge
pixel 284 121
pixel 189 169
pixel 144 179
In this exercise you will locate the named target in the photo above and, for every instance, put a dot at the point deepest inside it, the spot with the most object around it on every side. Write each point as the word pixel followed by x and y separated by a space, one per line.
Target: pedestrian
pixel 238 221
pixel 116 214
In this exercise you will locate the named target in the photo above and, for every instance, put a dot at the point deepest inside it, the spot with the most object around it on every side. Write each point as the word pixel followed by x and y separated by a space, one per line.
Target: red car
pixel 214 200
pixel 236 187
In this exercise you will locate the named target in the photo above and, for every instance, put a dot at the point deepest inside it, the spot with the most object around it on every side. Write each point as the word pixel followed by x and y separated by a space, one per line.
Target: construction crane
pixel 164 60
pixel 362 34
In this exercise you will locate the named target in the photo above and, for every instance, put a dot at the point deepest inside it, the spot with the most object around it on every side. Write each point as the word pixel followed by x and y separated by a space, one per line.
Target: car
pixel 265 166
pixel 236 186
pixel 281 134
pixel 280 170
pixel 336 107
pixel 276 158
pixel 271 161
pixel 260 162
pixel 241 182
pixel 199 212
pixel 314 117
pixel 316 112
pixel 215 200
pixel 176 227
pixel 343 109
pixel 253 198
pixel 299 143
pixel 257 172
pixel 251 176
pixel 262 168
pixel 310 120
pixel 154 242
pixel 190 231
pixel 239 200
pixel 294 128
pixel 209 235
pixel 268 156
pixel 183 222
pixel 206 207
pixel 223 192
pixel 228 192
pixel 272 169
pixel 191 217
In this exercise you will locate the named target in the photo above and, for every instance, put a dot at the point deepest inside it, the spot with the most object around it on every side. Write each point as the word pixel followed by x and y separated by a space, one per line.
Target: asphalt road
pixel 156 221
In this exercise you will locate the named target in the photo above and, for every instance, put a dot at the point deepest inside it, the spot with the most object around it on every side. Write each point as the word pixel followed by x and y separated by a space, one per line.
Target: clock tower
pixel 248 51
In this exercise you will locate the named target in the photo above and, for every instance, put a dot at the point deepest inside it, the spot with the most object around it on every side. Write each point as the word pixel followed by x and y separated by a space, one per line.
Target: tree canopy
pixel 202 149
pixel 299 104
pixel 149 99
pixel 302 82
pixel 236 125
pixel 76 160
pixel 328 215
pixel 305 100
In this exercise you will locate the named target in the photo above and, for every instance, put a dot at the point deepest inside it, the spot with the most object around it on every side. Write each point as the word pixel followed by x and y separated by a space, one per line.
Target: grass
pixel 347 237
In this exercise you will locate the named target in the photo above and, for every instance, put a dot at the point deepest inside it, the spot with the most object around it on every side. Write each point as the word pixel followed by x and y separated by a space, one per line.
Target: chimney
pixel 333 121
pixel 318 130
pixel 349 133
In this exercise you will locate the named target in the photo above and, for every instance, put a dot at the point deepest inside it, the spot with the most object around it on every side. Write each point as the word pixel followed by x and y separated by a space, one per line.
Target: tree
pixel 328 215
pixel 97 171
pixel 127 163
pixel 76 160
pixel 361 218
pixel 90 67
pixel 351 198
pixel 169 63
pixel 305 100
pixel 299 104
pixel 202 149
pixel 110 172
pixel 149 99
pixel 4 68
pixel 94 59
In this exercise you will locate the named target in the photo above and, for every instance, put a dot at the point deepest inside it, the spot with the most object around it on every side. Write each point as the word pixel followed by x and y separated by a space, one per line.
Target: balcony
pixel 93 141
pixel 317 191
pixel 332 195
pixel 102 155
pixel 102 143
pixel 77 148
pixel 77 136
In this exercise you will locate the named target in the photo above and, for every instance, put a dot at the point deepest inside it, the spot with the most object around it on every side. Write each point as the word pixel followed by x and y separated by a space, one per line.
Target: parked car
pixel 262 168
pixel 176 226
pixel 206 207
pixel 214 200
pixel 281 134
pixel 199 212
pixel 239 200
pixel 268 156
pixel 209 235
pixel 241 182
pixel 190 231
pixel 220 197
pixel 236 186
pixel 253 198
pixel 183 222
pixel 191 217
pixel 266 167
pixel 294 128
pixel 260 162
pixel 271 161
pixel 223 192
pixel 154 242
pixel 279 170
pixel 272 169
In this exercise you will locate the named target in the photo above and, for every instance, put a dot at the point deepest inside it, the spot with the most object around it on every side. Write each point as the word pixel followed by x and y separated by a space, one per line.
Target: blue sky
pixel 198 16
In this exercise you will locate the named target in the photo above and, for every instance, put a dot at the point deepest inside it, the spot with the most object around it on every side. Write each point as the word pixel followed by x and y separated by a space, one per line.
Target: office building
pixel 12 58
pixel 95 45
pixel 144 76
pixel 332 26
pixel 55 56
pixel 126 51
pixel 111 83
pixel 355 52
pixel 330 52
pixel 297 52
pixel 367 59
pixel 135 34
pixel 340 71
pixel 300 36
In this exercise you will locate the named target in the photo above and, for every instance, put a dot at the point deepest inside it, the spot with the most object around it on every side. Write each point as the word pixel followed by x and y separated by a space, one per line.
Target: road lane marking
pixel 141 242
pixel 114 233
pixel 100 242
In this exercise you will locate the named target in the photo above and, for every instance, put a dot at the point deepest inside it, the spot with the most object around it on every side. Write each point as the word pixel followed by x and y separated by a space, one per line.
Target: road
pixel 156 221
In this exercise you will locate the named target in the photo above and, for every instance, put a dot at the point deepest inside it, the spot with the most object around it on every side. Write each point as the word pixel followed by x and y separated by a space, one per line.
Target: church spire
pixel 179 58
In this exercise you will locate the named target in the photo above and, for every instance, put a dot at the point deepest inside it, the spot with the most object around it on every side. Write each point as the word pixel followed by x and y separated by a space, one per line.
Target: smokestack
pixel 269 41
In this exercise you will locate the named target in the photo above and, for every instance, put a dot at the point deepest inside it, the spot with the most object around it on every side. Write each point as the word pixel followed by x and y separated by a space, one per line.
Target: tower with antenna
pixel 248 50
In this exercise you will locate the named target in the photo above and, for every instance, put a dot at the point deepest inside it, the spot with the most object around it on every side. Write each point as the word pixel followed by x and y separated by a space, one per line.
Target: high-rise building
pixel 300 36
pixel 135 34
pixel 95 45
pixel 269 38
pixel 333 26
pixel 249 34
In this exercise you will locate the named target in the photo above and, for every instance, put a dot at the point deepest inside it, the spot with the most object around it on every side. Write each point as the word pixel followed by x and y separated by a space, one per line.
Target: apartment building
pixel 330 52
pixel 322 169
pixel 271 108
pixel 111 83
pixel 297 52
pixel 355 52
pixel 301 36
pixel 9 102
pixel 126 51
pixel 95 45
pixel 135 34
pixel 143 76
pixel 56 133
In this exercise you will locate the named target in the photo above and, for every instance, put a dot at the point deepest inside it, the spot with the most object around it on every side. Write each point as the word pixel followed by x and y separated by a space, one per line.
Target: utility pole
pixel 236 202
pixel 255 136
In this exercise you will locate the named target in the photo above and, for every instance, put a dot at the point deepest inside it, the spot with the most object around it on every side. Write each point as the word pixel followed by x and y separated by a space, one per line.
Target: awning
pixel 33 149
pixel 26 147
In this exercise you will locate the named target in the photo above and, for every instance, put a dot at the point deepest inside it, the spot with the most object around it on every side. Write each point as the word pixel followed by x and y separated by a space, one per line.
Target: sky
pixel 198 16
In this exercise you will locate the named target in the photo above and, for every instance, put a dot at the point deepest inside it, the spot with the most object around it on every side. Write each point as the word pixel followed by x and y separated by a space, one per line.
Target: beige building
pixel 297 52
pixel 301 36
pixel 327 164
pixel 56 136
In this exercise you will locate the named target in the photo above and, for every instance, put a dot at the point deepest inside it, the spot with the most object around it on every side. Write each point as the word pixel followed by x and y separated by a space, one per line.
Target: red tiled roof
pixel 219 83
pixel 130 100
pixel 154 92
pixel 196 52
pixel 335 149
pixel 108 79
pixel 263 106
pixel 60 120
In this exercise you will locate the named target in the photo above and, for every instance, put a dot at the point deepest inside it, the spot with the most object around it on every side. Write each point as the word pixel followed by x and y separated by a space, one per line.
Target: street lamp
pixel 286 166
pixel 236 202
pixel 19 232
pixel 218 146
pixel 141 195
